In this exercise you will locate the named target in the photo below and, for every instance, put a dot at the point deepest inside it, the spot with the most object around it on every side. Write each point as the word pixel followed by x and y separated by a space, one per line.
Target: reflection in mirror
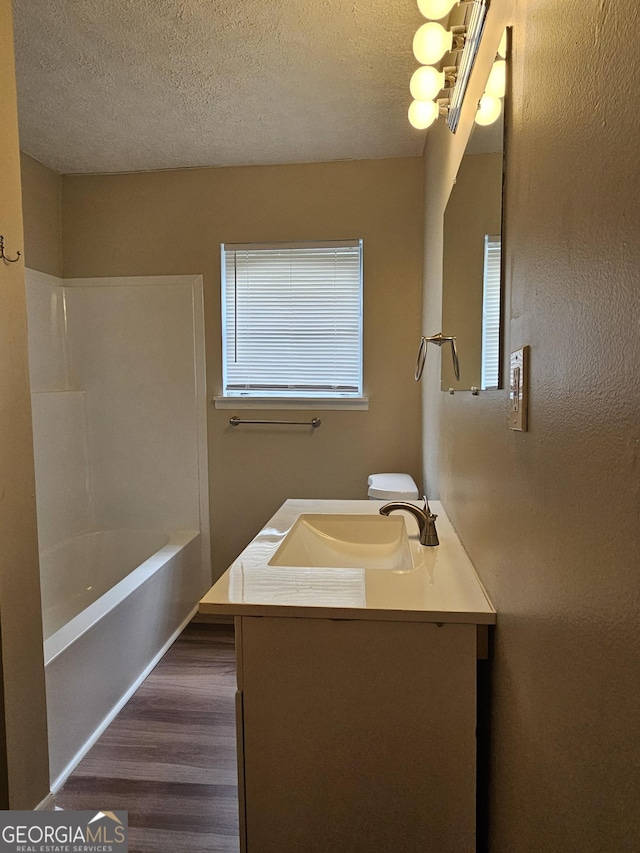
pixel 471 295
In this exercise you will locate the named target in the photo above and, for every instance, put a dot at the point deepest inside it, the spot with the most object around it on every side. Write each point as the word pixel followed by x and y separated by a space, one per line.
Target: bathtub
pixel 113 602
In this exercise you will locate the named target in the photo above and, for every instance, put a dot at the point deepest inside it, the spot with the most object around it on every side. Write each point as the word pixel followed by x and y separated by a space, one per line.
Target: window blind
pixel 292 319
pixel 491 312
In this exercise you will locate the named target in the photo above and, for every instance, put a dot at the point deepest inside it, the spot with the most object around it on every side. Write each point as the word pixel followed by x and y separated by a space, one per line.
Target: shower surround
pixel 119 421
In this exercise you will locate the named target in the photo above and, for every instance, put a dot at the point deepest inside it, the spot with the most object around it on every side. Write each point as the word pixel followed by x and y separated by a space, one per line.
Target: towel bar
pixel 314 422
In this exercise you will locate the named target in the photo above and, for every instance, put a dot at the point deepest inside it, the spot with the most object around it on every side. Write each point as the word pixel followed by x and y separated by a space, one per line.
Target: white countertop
pixel 443 586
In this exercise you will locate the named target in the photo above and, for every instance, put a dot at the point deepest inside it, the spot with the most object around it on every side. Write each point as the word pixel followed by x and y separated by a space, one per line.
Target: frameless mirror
pixel 472 280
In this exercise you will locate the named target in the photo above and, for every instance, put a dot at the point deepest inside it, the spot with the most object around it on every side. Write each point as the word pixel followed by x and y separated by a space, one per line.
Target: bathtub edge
pixel 84 749
pixel 60 640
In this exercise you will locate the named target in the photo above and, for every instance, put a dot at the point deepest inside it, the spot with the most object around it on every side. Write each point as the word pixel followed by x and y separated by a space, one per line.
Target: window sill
pixel 298 403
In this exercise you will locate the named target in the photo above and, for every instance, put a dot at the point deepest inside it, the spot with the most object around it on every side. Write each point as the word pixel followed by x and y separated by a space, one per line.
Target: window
pixel 292 319
pixel 491 312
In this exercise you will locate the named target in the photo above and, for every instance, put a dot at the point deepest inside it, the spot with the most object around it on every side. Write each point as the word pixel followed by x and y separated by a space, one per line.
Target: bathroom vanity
pixel 356 702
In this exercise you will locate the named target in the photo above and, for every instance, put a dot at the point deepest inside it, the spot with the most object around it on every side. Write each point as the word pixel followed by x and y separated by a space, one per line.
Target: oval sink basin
pixel 346 541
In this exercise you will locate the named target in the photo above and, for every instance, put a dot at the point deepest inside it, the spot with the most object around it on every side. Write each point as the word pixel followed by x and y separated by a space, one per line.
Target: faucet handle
pixel 426 509
pixel 430 535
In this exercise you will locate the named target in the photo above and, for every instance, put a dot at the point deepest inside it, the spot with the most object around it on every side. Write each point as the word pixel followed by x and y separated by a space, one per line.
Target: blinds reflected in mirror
pixel 491 312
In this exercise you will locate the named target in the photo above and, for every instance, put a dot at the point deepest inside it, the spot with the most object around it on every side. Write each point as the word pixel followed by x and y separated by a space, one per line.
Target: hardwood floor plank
pixel 169 758
pixel 225 772
pixel 156 841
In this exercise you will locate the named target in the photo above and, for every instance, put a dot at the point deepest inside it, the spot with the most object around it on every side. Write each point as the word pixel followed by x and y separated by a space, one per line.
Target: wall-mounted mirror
pixel 472 285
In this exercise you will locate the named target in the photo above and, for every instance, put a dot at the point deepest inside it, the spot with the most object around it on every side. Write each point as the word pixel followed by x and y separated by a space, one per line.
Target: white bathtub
pixel 113 602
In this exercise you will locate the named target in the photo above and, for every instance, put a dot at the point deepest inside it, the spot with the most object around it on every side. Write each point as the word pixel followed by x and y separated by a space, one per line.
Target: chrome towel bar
pixel 314 422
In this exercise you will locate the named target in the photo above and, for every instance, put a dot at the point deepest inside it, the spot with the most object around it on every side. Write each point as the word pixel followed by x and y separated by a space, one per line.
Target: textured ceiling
pixel 116 85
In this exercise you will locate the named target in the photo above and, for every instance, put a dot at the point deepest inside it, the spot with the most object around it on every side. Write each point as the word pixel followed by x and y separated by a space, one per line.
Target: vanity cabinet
pixel 356 735
pixel 356 702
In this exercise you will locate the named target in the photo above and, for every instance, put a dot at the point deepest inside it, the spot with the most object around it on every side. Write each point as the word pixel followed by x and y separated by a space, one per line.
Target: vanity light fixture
pixel 422 114
pixel 432 41
pixel 435 10
pixel 427 82
pixel 489 109
pixel 490 105
pixel 430 44
pixel 497 82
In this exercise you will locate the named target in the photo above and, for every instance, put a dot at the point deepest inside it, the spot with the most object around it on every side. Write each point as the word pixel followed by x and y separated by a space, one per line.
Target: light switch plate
pixel 519 389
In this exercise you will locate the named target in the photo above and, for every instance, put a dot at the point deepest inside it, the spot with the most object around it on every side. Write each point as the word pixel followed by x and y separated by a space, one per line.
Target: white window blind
pixel 292 319
pixel 491 312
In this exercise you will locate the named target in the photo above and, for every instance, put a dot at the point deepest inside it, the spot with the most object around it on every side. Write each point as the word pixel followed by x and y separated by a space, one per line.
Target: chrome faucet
pixel 425 518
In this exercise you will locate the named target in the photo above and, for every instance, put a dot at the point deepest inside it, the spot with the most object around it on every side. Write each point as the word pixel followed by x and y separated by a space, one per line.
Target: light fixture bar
pixel 475 28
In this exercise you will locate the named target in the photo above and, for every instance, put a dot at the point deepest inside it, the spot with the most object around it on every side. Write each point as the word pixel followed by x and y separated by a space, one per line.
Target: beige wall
pixel 551 518
pixel 174 222
pixel 42 215
pixel 23 758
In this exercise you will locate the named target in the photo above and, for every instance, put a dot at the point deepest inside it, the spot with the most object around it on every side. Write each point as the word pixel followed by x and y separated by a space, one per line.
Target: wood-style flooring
pixel 169 757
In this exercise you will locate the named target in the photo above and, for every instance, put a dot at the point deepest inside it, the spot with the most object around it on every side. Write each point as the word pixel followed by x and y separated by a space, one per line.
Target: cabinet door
pixel 358 736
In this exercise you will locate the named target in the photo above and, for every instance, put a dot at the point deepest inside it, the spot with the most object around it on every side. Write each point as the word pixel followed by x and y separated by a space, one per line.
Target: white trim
pixel 84 749
pixel 299 403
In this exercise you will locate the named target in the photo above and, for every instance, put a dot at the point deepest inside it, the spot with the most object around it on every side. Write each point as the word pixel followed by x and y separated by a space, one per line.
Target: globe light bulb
pixel 422 114
pixel 431 42
pixel 433 10
pixel 488 110
pixel 497 82
pixel 502 47
pixel 426 82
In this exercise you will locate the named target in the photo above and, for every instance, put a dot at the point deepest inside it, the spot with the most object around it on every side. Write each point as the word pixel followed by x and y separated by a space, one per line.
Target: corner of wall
pixel 42 214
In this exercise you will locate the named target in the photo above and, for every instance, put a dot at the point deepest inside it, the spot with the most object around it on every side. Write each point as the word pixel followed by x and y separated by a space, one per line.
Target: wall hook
pixel 3 256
